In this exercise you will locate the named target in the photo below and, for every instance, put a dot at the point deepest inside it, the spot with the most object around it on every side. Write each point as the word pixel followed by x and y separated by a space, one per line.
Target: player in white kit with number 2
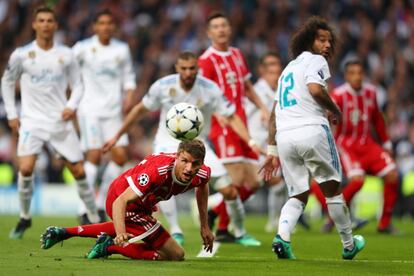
pixel 44 70
pixel 305 144
pixel 186 86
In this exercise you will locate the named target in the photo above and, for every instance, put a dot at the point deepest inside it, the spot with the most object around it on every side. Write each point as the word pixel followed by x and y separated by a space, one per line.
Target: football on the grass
pixel 184 121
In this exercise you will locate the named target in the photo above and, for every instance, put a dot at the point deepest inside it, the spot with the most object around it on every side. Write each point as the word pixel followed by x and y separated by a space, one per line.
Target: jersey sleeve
pixel 206 68
pixel 317 71
pixel 152 100
pixel 8 83
pixel 128 71
pixel 75 83
pixel 143 182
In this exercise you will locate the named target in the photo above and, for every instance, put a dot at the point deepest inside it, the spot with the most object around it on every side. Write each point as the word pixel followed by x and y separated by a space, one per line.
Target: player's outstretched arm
pixel 205 231
pixel 137 111
pixel 240 128
pixel 118 214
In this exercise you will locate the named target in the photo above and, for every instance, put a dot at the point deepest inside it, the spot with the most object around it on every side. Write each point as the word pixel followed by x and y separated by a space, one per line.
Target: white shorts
pixel 96 131
pixel 305 153
pixel 211 160
pixel 65 142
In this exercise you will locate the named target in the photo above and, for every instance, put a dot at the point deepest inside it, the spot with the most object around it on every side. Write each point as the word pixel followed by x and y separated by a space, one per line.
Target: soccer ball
pixel 184 121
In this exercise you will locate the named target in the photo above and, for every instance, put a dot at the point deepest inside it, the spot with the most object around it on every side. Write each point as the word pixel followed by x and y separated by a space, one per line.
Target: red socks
pixel 352 188
pixel 390 198
pixel 91 230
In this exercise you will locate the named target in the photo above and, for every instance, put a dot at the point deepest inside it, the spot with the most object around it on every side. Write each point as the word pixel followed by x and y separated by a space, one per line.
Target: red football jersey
pixel 360 114
pixel 153 180
pixel 229 70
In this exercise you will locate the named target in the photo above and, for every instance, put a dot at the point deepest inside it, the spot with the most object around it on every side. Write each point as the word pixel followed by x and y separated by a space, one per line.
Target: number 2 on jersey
pixel 286 85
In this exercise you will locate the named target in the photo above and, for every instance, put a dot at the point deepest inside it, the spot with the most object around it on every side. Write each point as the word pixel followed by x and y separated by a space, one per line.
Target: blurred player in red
pixel 360 152
pixel 131 200
pixel 227 67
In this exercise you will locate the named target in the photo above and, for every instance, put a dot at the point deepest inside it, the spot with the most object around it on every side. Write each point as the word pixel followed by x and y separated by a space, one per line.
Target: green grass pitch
pixel 318 254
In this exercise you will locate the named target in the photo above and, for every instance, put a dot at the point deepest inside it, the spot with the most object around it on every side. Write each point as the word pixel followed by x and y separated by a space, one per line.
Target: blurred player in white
pixel 305 144
pixel 44 70
pixel 270 68
pixel 107 73
pixel 186 86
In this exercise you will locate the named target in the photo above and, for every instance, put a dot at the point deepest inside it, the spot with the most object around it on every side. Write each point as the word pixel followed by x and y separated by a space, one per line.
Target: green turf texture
pixel 318 254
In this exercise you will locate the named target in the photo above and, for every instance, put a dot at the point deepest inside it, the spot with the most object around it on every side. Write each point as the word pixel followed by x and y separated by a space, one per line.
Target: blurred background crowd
pixel 379 32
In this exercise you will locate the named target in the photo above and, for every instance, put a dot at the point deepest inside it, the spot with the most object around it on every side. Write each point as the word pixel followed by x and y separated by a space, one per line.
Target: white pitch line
pixel 205 254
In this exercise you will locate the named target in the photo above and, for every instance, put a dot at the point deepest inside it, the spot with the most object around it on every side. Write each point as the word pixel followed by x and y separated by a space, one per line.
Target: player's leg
pixel 276 198
pixel 28 147
pixel 25 187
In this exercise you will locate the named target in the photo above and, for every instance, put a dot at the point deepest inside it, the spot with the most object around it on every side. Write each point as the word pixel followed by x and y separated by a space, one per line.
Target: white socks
pixel 339 213
pixel 169 209
pixel 87 196
pixel 91 171
pixel 289 216
pixel 276 198
pixel 235 209
pixel 111 172
pixel 25 187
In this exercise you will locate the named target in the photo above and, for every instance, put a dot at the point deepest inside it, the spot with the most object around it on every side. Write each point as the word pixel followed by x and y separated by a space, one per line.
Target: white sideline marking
pixel 205 254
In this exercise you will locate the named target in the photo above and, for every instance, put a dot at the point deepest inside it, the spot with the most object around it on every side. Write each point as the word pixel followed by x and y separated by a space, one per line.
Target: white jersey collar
pixel 220 53
pixel 96 40
pixel 37 47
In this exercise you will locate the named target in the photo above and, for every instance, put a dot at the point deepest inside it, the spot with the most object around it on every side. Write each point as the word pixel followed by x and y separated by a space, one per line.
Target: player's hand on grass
pixel 67 114
pixel 14 124
pixel 208 239
pixel 122 238
pixel 109 145
pixel 270 165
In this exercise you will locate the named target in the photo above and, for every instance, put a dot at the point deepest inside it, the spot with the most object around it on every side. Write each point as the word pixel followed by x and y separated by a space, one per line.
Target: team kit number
pixel 287 83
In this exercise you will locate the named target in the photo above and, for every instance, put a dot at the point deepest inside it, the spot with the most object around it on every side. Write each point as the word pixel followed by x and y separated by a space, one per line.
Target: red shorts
pixel 138 219
pixel 230 148
pixel 369 158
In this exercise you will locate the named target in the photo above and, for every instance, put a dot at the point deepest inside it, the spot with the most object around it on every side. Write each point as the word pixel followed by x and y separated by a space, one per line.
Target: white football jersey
pixel 295 105
pixel 107 71
pixel 205 94
pixel 258 130
pixel 44 78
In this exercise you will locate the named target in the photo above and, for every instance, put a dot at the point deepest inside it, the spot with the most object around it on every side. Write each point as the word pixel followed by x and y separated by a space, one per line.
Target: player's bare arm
pixel 137 111
pixel 205 231
pixel 271 162
pixel 129 101
pixel 240 128
pixel 322 97
pixel 252 96
pixel 118 211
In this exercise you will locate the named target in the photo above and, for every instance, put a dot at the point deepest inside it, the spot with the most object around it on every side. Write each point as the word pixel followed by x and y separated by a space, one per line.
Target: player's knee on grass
pixel 171 251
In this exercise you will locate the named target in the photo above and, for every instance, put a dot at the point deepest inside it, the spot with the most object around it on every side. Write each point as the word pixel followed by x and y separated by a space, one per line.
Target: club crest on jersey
pixel 172 92
pixel 93 50
pixel 60 60
pixel 199 103
pixel 143 179
pixel 32 54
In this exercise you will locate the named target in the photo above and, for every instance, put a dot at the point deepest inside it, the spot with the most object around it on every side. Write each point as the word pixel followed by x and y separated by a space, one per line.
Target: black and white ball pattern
pixel 184 121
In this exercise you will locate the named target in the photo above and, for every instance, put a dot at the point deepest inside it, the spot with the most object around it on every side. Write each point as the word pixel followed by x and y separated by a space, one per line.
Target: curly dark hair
pixel 304 38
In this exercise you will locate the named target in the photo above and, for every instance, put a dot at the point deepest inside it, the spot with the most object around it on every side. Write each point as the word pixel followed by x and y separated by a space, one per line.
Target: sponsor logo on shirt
pixel 143 179
pixel 32 54
pixel 172 92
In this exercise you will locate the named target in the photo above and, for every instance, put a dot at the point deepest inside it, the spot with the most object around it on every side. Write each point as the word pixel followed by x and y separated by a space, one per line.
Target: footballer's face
pixel 45 25
pixel 186 166
pixel 322 43
pixel 219 31
pixel 104 27
pixel 354 75
pixel 270 69
pixel 187 69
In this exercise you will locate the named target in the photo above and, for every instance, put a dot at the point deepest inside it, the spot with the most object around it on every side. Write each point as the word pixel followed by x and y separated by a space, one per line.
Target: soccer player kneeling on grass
pixel 131 200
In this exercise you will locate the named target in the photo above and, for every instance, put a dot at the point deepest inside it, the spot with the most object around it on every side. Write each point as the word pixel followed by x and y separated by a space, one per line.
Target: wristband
pixel 272 150
pixel 252 143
